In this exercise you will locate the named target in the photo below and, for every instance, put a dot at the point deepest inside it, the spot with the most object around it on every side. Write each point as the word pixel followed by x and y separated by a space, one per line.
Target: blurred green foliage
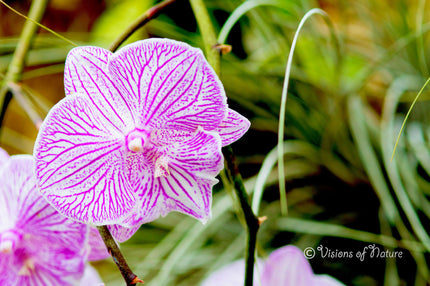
pixel 343 115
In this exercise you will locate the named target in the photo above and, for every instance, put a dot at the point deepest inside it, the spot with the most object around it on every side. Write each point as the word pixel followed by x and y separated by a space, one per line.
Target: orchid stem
pixel 113 249
pixel 252 223
pixel 208 33
pixel 150 14
pixel 16 66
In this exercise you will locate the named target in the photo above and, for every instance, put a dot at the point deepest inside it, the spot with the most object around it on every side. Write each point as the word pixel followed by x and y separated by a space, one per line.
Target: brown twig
pixel 140 22
pixel 113 249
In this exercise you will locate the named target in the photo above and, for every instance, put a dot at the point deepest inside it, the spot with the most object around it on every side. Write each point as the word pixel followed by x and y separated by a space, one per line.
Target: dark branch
pixel 140 22
pixel 252 222
pixel 129 277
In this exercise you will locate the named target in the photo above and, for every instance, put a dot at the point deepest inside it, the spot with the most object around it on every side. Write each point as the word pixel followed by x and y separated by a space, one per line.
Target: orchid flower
pixel 286 266
pixel 38 246
pixel 138 135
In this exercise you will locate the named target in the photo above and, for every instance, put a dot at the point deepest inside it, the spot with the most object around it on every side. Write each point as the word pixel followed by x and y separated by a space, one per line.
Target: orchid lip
pixel 137 140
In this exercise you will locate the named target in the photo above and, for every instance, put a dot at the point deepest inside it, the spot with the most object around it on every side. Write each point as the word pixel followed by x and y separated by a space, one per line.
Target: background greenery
pixel 343 115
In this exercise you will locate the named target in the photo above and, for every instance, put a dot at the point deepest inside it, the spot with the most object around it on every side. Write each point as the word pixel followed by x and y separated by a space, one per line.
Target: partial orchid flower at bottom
pixel 286 266
pixel 38 246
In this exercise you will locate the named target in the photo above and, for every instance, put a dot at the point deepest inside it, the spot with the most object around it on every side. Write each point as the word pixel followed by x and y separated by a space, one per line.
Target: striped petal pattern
pixel 38 246
pixel 139 135
pixel 232 127
pixel 79 164
pixel 172 84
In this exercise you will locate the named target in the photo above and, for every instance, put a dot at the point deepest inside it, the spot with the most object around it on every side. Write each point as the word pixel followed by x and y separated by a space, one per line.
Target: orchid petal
pixel 4 157
pixel 91 277
pixel 172 84
pixel 50 264
pixel 32 214
pixel 232 127
pixel 122 233
pixel 97 248
pixel 192 166
pixel 36 216
pixel 86 74
pixel 233 274
pixel 79 164
pixel 47 248
pixel 287 266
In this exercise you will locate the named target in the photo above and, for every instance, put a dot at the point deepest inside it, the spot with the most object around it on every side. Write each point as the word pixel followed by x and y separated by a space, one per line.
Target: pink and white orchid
pixel 138 135
pixel 39 246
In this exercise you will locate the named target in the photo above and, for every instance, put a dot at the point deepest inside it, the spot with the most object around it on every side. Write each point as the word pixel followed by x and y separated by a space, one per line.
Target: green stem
pixel 16 66
pixel 208 33
pixel 113 249
pixel 252 223
pixel 140 22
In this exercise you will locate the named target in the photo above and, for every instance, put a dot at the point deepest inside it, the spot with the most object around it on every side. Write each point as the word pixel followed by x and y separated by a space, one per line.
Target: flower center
pixel 137 140
pixel 9 240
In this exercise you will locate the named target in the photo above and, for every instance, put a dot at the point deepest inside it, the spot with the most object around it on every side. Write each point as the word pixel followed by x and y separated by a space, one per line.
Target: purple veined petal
pixel 96 248
pixel 8 200
pixel 287 266
pixel 47 263
pixel 162 137
pixel 86 73
pixel 45 247
pixel 59 269
pixel 122 233
pixel 183 181
pixel 7 269
pixel 26 210
pixel 91 277
pixel 233 274
pixel 232 127
pixel 172 83
pixel 199 154
pixel 191 167
pixel 79 164
pixel 140 173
